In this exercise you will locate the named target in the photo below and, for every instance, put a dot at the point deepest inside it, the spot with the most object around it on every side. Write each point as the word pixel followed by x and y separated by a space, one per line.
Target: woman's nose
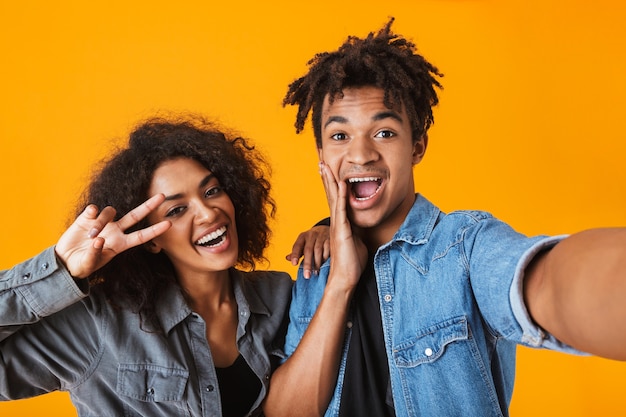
pixel 204 213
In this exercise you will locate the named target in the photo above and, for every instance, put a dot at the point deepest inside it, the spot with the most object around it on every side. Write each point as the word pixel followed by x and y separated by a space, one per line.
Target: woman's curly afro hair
pixel 138 276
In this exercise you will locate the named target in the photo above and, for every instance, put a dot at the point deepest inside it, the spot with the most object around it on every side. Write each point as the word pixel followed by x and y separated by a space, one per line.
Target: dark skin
pixel 94 239
pixel 575 291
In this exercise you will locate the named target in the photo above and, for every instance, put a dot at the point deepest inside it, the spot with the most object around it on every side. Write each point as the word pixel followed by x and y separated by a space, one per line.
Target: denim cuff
pixel 533 335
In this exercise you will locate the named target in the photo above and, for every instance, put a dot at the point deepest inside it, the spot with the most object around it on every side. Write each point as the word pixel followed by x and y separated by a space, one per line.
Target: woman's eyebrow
pixel 204 182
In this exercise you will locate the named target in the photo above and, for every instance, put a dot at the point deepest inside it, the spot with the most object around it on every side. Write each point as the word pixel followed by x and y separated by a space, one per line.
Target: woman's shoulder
pixel 269 279
pixel 268 285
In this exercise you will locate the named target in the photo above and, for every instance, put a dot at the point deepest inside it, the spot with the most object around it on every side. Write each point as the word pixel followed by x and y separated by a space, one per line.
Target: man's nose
pixel 362 150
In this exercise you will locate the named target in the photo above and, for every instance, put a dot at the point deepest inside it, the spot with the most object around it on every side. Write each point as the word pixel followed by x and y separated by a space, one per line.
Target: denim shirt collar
pixel 173 309
pixel 418 224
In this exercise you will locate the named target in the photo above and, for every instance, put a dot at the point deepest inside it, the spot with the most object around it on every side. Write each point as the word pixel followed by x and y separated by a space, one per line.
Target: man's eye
pixel 212 191
pixel 339 136
pixel 174 211
pixel 385 134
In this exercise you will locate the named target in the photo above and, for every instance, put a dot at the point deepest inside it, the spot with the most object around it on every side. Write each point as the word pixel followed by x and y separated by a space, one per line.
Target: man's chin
pixel 363 220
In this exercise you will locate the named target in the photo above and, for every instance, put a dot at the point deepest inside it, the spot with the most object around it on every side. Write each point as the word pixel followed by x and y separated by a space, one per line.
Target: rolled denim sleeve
pixel 532 334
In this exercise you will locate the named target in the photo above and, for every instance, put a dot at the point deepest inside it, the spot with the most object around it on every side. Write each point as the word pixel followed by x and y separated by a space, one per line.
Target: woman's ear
pixel 150 246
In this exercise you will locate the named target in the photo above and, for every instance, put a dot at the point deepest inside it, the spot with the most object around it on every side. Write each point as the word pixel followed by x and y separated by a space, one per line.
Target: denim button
pixel 387 297
pixel 210 388
pixel 349 325
pixel 428 352
pixel 44 266
pixel 150 391
pixel 26 275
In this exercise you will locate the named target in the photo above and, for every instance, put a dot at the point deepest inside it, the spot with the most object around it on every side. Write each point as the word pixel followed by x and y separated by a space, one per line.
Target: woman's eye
pixel 339 136
pixel 212 191
pixel 385 134
pixel 174 211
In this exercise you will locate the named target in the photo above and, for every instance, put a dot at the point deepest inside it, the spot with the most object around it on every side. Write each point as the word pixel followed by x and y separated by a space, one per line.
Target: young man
pixel 419 312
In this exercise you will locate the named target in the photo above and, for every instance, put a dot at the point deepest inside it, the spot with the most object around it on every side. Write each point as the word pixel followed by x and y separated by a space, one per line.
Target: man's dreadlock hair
pixel 382 60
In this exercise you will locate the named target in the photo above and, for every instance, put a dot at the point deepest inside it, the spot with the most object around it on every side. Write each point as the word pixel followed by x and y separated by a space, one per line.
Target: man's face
pixel 370 147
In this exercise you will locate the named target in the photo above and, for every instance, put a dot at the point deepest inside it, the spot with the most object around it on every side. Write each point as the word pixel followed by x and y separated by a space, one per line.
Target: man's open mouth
pixel 213 238
pixel 364 188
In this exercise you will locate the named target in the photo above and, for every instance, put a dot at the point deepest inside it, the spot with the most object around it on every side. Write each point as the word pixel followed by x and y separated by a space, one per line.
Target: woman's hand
pixel 314 246
pixel 94 238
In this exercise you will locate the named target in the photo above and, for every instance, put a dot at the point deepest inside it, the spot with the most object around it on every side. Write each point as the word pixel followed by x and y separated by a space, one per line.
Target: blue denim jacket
pixel 53 336
pixel 451 302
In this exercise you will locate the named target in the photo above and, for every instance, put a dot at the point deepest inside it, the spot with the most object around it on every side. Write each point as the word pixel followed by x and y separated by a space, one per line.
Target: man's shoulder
pixel 309 291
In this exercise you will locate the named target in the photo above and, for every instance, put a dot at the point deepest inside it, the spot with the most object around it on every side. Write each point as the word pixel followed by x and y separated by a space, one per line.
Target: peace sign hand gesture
pixel 94 238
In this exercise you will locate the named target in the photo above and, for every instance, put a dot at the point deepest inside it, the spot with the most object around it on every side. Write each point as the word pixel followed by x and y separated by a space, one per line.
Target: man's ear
pixel 319 153
pixel 419 149
pixel 150 246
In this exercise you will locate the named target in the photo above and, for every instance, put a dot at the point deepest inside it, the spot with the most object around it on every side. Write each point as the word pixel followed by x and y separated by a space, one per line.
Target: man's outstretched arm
pixel 577 291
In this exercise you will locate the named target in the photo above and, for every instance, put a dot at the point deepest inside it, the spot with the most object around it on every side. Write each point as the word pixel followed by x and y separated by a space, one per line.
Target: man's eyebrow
pixel 204 182
pixel 387 114
pixel 335 119
pixel 390 114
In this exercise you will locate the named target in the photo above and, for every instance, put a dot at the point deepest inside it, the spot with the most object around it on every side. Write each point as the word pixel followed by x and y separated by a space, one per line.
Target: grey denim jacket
pixel 56 336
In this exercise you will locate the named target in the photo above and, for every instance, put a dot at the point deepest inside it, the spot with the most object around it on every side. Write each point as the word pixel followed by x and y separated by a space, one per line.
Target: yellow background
pixel 530 126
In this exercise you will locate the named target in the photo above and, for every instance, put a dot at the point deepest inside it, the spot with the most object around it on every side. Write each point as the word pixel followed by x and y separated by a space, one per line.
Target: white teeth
pixel 356 180
pixel 212 236
pixel 366 179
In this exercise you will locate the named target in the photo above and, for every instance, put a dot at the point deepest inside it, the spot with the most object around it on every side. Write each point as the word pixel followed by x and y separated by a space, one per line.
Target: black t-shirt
pixel 239 388
pixel 366 386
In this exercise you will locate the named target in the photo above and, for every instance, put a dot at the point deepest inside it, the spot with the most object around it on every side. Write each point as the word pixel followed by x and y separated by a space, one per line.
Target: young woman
pixel 152 306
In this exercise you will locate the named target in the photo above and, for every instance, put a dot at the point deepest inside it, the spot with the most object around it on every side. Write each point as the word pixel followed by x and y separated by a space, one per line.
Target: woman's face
pixel 203 236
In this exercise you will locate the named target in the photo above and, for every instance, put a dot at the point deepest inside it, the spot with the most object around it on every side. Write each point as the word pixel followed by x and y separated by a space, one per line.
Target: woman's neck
pixel 207 292
pixel 213 298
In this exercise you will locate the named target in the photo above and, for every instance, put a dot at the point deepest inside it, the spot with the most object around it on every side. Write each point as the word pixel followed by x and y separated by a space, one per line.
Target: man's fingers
pixel 330 184
pixel 340 204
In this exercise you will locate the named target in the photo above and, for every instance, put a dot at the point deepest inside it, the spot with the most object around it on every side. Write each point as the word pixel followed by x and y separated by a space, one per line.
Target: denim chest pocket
pixel 151 383
pixel 430 343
